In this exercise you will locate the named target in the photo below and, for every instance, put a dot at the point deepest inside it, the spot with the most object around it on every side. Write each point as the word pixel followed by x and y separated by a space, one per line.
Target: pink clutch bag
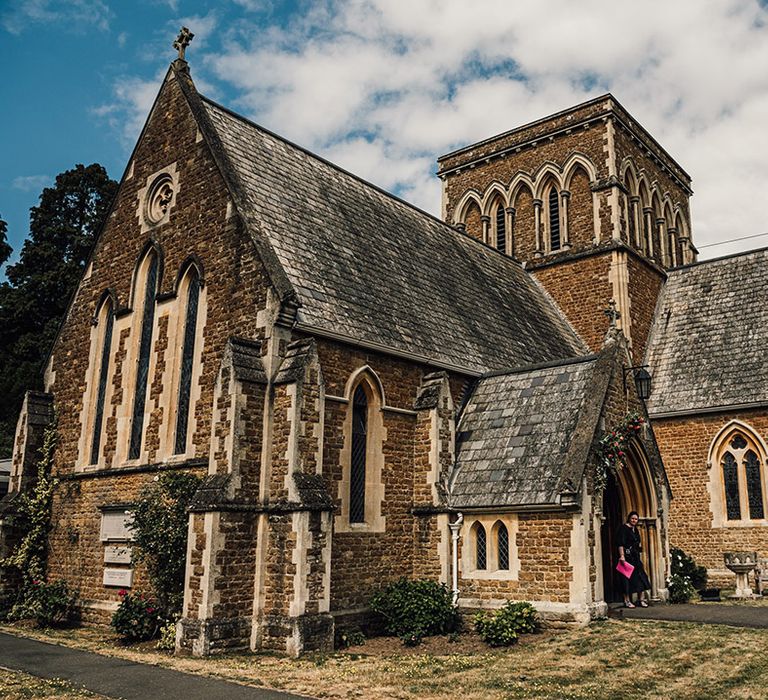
pixel 625 568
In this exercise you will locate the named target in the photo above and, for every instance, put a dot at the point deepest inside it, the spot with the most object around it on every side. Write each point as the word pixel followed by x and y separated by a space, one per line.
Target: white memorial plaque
pixel 117 554
pixel 114 525
pixel 122 578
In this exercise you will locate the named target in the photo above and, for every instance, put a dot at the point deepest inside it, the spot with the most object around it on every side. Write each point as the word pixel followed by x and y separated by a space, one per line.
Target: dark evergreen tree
pixel 5 249
pixel 33 301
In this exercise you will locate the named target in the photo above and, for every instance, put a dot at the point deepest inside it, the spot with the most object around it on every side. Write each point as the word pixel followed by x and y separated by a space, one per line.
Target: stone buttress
pixel 258 564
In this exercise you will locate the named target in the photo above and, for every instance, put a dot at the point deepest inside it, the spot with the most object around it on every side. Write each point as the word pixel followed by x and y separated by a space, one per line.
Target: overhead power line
pixel 732 240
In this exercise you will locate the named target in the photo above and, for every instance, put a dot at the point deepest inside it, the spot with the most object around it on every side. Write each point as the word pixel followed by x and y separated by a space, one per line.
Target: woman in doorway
pixel 628 539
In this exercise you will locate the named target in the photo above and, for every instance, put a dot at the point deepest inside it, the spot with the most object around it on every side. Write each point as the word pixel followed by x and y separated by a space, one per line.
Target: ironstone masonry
pixel 361 376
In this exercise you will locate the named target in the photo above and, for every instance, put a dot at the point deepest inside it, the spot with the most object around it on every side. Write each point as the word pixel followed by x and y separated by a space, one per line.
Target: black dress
pixel 629 538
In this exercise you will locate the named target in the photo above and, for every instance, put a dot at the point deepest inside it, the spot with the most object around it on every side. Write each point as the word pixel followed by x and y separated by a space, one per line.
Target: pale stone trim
pixel 130 364
pixel 259 592
pixel 374 461
pixel 444 548
pixel 618 276
pixel 578 553
pixel 468 551
pixel 298 604
pixel 191 544
pixel 470 197
pixel 292 449
pixel 170 172
pixel 90 395
pixel 386 409
pixel 495 191
pixel 176 310
pixel 716 485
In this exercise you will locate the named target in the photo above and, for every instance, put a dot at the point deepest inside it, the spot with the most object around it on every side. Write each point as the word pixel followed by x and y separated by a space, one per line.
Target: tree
pixel 5 249
pixel 33 301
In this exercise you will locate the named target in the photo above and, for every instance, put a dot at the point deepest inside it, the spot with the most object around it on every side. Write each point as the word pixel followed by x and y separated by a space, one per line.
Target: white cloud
pixel 384 86
pixel 254 5
pixel 30 183
pixel 69 15
pixel 133 98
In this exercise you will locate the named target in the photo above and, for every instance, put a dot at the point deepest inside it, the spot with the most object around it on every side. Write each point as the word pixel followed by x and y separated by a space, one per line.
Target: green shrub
pixel 680 588
pixel 48 604
pixel 160 523
pixel 415 608
pixel 502 627
pixel 137 618
pixel 349 638
pixel 685 566
pixel 167 641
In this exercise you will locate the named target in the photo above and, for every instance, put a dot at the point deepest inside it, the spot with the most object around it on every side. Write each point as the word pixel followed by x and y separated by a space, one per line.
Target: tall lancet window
pixel 554 219
pixel 188 351
pixel 145 348
pixel 501 228
pixel 106 320
pixel 359 449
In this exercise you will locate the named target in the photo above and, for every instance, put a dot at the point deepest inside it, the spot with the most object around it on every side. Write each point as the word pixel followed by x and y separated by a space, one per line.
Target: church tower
pixel 588 201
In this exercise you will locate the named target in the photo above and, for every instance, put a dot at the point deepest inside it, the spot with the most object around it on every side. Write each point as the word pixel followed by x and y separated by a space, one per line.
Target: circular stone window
pixel 159 199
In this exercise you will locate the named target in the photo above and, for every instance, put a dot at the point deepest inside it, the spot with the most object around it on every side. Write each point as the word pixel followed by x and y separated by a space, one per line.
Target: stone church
pixel 371 392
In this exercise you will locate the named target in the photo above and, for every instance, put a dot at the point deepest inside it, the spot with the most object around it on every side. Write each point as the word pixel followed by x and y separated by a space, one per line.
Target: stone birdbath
pixel 741 563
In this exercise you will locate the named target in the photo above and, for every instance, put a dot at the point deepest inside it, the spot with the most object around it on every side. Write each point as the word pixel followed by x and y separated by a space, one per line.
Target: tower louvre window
pixel 359 449
pixel 554 220
pixel 145 347
pixel 109 320
pixel 501 228
pixel 185 378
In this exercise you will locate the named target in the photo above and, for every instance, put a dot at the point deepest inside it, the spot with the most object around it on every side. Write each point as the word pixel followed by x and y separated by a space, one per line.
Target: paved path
pixel 119 678
pixel 706 613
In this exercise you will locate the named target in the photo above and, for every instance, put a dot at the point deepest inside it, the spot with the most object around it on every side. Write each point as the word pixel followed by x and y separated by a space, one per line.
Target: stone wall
pixel 685 444
pixel 203 226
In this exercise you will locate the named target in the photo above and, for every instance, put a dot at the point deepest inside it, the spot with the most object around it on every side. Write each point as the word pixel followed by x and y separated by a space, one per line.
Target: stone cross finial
pixel 612 313
pixel 182 41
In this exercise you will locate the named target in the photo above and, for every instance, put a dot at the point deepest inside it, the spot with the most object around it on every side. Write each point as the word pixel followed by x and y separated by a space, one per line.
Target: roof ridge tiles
pixel 575 360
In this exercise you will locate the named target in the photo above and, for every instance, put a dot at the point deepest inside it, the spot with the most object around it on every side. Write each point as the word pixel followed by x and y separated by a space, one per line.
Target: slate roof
pixel 369 267
pixel 514 438
pixel 709 340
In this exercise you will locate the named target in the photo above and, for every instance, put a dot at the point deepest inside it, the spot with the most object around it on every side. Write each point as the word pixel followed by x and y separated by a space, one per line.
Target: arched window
pixel 481 548
pixel 554 219
pixel 359 453
pixel 740 455
pixel 187 355
pixel 501 228
pixel 106 321
pixel 502 547
pixel 150 270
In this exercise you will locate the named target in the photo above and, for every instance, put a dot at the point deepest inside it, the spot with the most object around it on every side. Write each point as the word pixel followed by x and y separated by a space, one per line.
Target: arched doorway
pixel 631 488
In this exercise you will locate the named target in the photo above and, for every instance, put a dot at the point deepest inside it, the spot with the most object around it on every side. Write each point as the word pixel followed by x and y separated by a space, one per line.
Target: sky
pixel 383 87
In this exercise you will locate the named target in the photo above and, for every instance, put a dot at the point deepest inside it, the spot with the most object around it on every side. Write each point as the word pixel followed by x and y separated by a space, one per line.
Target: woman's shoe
pixel 629 605
pixel 643 604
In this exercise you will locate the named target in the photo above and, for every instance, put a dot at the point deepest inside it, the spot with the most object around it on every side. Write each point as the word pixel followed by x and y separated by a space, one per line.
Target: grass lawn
pixel 608 659
pixel 19 686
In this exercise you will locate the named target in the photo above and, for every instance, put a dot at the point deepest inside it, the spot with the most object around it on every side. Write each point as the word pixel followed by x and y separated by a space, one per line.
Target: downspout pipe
pixel 455 527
